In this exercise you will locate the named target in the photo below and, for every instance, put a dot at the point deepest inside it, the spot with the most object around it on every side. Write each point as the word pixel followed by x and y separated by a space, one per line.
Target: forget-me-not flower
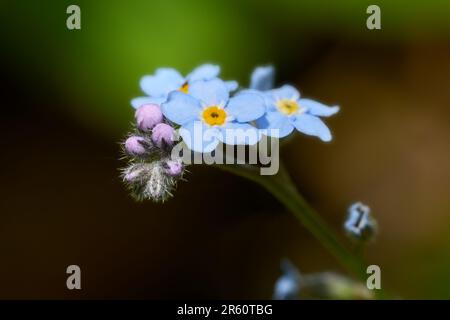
pixel 208 115
pixel 285 110
pixel 165 80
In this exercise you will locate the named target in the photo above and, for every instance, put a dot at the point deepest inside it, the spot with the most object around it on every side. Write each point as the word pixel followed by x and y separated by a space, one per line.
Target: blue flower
pixel 286 111
pixel 208 115
pixel 360 224
pixel 166 80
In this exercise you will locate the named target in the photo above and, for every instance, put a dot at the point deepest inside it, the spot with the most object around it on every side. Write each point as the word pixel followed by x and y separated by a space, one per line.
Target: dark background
pixel 65 108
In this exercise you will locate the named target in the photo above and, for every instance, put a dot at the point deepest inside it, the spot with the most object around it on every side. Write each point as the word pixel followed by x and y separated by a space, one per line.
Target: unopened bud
pixel 173 168
pixel 136 146
pixel 163 135
pixel 287 286
pixel 148 116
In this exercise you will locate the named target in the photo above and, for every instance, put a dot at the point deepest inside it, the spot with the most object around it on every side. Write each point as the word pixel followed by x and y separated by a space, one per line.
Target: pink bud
pixel 135 145
pixel 173 168
pixel 148 116
pixel 131 176
pixel 163 135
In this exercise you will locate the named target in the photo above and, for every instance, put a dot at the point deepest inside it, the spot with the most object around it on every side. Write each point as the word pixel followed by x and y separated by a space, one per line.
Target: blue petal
pixel 260 93
pixel 239 133
pixel 140 101
pixel 162 82
pixel 313 126
pixel 285 92
pixel 318 109
pixel 181 108
pixel 262 78
pixel 199 137
pixel 232 85
pixel 210 93
pixel 204 72
pixel 246 107
pixel 275 120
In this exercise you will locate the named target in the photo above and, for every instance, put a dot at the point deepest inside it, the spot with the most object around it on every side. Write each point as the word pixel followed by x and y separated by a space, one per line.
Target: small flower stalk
pixel 331 285
pixel 360 224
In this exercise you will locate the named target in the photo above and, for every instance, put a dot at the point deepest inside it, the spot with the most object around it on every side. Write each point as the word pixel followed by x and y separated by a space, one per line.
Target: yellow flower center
pixel 184 88
pixel 287 106
pixel 214 116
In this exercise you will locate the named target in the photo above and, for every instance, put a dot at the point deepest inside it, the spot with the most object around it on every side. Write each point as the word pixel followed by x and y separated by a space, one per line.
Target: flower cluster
pixel 204 111
pixel 286 111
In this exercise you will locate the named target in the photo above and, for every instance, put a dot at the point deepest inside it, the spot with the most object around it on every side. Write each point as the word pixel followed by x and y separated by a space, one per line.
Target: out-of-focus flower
pixel 262 78
pixel 147 116
pixel 208 115
pixel 286 111
pixel 325 285
pixel 330 285
pixel 287 287
pixel 360 224
pixel 166 80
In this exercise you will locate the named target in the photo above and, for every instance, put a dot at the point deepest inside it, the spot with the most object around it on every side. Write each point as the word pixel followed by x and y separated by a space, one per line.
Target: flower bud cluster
pixel 151 172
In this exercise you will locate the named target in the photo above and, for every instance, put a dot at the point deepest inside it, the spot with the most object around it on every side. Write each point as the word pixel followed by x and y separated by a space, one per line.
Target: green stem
pixel 282 187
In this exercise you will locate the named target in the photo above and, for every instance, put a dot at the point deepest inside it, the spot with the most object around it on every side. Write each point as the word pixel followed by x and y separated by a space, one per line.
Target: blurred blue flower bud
pixel 287 287
pixel 360 224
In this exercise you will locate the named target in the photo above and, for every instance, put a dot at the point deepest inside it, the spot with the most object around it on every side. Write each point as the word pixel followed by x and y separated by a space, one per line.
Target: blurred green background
pixel 65 108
